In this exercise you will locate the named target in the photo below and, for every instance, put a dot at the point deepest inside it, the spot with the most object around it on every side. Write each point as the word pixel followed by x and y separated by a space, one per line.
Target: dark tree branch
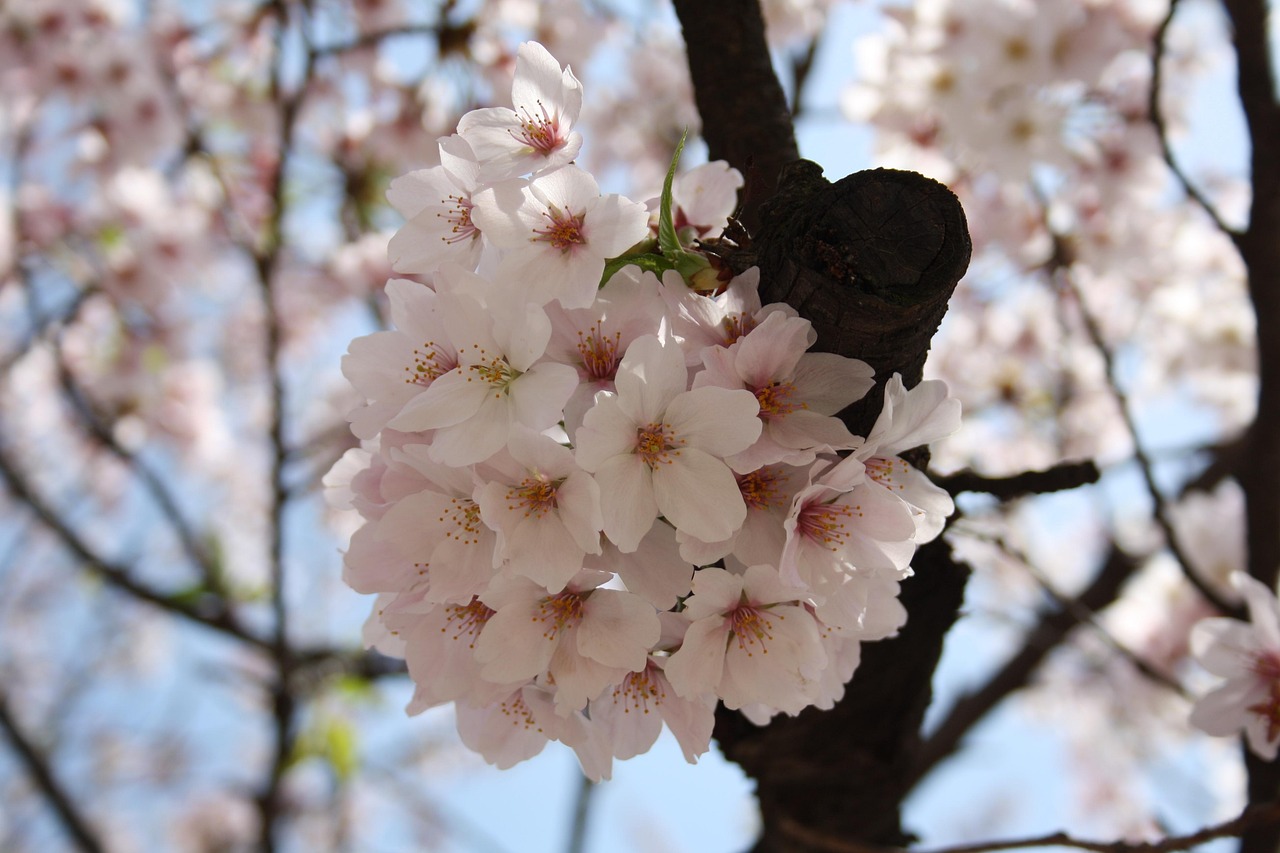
pixel 1253 817
pixel 208 612
pixel 1156 114
pixel 1061 270
pixel 1259 246
pixel 1052 628
pixel 871 261
pixel 744 110
pixel 1061 477
pixel 37 766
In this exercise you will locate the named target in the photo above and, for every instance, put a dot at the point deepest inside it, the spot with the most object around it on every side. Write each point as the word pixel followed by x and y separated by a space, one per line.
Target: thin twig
pixel 1156 113
pixel 1145 465
pixel 1253 816
pixel 37 765
pixel 266 261
pixel 581 814
pixel 201 612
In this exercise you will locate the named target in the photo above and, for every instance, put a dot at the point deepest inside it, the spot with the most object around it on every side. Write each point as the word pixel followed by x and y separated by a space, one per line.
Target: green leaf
pixel 668 240
pixel 340 748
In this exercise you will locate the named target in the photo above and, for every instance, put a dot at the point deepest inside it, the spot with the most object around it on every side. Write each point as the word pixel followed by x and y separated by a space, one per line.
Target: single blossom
pixel 436 205
pixel 798 391
pixel 1247 655
pixel 656 448
pixel 390 368
pixel 545 509
pixel 499 381
pixel 557 231
pixel 538 133
pixel 749 641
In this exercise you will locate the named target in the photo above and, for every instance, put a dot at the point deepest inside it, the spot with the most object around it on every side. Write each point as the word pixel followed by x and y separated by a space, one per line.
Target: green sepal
pixel 656 264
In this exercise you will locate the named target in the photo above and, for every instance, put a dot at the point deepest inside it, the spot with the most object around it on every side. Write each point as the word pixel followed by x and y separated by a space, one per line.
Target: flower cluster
pixel 597 498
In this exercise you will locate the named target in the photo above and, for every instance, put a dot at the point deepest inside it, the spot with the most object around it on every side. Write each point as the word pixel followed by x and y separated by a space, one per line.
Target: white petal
pixel 697 493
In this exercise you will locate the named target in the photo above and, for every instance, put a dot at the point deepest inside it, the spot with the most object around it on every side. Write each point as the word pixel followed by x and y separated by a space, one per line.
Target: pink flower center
pixel 461 227
pixel 752 628
pixel 736 327
pixel 888 472
pixel 564 232
pixel 655 444
pixel 462 516
pixel 430 362
pixel 559 612
pixel 541 133
pixel 1269 709
pixel 536 494
pixel 775 400
pixel 466 619
pixel 599 354
pixel 518 713
pixel 826 524
pixel 638 690
pixel 760 488
pixel 494 371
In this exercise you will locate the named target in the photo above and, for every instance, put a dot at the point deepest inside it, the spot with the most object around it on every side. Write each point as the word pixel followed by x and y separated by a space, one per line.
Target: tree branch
pixel 744 110
pixel 1052 628
pixel 1253 817
pixel 37 766
pixel 1156 113
pixel 1060 477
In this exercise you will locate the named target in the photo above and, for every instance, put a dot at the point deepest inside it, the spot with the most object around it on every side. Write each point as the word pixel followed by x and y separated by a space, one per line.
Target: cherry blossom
pixel 656 448
pixel 558 231
pixel 436 204
pixel 538 133
pixel 749 641
pixel 1247 655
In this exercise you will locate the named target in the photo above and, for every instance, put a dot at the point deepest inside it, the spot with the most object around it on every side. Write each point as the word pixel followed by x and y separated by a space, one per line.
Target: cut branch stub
pixel 870 260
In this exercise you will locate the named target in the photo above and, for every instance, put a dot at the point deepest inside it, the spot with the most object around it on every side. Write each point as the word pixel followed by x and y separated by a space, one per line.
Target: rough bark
pixel 871 260
pixel 1259 245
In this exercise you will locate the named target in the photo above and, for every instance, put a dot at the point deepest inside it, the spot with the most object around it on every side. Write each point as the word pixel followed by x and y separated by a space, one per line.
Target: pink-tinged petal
pixel 649 378
pixel 578 498
pixel 606 432
pixel 504 212
pixel 697 493
pixel 629 716
pixel 697 666
pixel 478 438
pixel 912 418
pixel 538 396
pixel 720 421
pixel 618 629
pixel 373 564
pixel 578 679
pixel 521 331
pixel 627 502
pixel 460 569
pixel 542 550
pixel 763 585
pixel 714 591
pixel 808 429
pixel 450 399
pixel 503 732
pixel 515 644
pixel 654 571
pixel 1224 646
pixel 690 720
pixel 1264 612
pixel 1223 711
pixel 539 78
pixel 566 187
pixel 615 224
pixel 827 382
pixel 771 351
pixel 699 553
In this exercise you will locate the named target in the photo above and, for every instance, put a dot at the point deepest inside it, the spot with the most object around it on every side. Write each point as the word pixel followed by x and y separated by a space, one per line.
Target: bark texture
pixel 871 260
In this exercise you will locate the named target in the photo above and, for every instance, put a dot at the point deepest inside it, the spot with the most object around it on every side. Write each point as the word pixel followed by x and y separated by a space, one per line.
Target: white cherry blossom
pixel 656 448
pixel 538 133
